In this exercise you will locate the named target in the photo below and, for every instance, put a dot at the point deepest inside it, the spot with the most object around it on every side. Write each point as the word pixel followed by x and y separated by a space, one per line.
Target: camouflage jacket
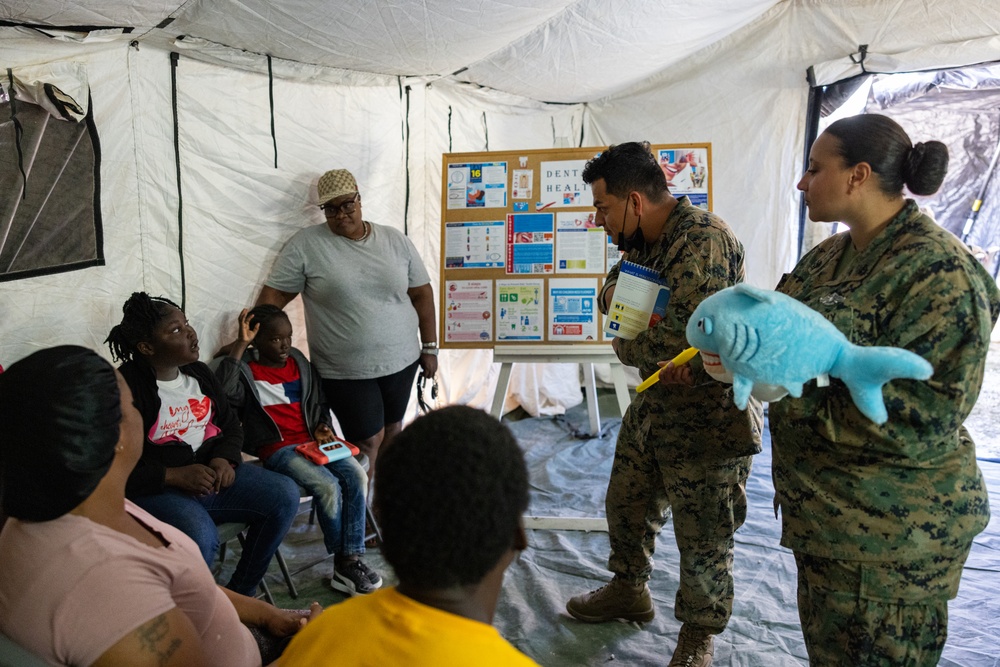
pixel 910 488
pixel 698 255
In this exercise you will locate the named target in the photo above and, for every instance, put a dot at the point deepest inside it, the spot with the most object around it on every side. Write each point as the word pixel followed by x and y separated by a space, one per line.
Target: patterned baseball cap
pixel 336 183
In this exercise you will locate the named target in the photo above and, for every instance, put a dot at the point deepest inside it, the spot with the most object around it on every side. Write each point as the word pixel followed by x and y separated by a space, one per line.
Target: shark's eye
pixel 705 324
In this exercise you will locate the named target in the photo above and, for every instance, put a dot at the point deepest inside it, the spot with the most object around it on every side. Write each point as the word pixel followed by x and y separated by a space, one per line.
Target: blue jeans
pixel 342 523
pixel 263 499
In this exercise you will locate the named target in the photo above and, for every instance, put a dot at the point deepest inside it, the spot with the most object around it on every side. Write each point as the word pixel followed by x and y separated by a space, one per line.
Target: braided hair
pixel 140 315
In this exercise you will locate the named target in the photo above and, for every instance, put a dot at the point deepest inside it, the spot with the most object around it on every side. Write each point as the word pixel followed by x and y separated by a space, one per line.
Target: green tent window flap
pixel 50 214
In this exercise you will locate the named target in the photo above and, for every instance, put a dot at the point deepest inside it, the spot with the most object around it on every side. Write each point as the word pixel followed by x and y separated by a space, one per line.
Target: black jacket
pixel 259 429
pixel 148 476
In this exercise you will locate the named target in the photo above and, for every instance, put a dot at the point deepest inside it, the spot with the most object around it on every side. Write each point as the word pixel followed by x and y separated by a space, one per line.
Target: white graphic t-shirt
pixel 185 413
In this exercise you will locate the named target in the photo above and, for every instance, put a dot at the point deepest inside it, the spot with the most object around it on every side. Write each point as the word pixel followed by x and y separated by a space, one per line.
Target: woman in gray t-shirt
pixel 367 296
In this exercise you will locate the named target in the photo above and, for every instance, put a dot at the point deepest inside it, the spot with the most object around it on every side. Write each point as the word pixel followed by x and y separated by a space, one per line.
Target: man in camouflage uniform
pixel 881 518
pixel 686 446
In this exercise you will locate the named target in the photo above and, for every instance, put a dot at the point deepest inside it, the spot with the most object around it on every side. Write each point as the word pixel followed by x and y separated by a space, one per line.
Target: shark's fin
pixel 742 386
pixel 756 293
pixel 865 369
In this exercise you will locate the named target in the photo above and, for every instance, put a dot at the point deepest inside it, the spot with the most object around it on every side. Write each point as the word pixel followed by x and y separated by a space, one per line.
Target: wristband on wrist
pixel 429 345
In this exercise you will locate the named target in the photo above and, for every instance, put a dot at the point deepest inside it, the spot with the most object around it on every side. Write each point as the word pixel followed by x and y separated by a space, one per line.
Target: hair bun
pixel 914 158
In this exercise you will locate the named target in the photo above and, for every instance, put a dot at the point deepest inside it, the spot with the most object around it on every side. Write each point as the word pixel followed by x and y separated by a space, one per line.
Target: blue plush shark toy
pixel 766 337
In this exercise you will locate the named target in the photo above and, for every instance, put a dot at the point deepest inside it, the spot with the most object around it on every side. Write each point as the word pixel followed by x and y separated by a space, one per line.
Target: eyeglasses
pixel 334 210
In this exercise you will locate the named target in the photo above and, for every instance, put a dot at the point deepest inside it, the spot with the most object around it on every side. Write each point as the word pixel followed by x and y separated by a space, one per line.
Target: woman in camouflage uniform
pixel 881 518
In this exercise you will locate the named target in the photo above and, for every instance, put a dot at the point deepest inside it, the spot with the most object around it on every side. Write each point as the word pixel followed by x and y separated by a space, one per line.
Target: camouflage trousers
pixel 708 503
pixel 861 614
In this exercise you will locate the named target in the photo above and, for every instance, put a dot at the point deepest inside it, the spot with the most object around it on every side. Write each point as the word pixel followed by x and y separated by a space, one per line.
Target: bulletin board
pixel 522 260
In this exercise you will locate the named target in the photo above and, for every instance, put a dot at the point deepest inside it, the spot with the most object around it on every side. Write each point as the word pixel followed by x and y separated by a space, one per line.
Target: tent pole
pixel 174 58
pixel 812 129
pixel 970 223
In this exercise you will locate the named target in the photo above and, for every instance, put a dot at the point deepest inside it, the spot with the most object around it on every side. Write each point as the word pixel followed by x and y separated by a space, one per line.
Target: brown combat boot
pixel 614 600
pixel 695 647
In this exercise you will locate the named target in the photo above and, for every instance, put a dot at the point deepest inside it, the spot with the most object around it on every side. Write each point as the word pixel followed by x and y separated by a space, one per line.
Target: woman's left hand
pixel 429 364
pixel 285 622
pixel 225 474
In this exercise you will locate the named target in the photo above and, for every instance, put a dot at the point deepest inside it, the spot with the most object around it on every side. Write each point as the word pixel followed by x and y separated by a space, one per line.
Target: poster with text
pixel 474 245
pixel 520 310
pixel 530 243
pixel 572 309
pixel 468 315
pixel 477 185
pixel 562 185
pixel 580 244
pixel 614 255
pixel 698 199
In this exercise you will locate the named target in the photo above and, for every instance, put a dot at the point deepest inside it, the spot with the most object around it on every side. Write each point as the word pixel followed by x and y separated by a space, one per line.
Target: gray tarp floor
pixel 568 479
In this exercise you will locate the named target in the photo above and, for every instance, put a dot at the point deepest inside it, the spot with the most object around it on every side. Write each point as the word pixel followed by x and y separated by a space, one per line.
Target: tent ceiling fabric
pixel 553 50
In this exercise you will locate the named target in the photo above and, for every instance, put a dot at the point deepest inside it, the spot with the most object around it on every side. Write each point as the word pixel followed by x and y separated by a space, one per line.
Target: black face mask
pixel 635 242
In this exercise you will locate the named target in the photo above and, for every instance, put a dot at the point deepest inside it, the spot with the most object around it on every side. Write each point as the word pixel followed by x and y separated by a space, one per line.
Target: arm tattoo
pixel 153 638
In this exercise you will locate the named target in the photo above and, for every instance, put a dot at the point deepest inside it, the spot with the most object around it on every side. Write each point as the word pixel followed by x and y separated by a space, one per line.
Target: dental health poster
pixel 477 185
pixel 468 315
pixel 474 245
pixel 562 185
pixel 520 310
pixel 686 170
pixel 530 243
pixel 572 309
pixel 580 243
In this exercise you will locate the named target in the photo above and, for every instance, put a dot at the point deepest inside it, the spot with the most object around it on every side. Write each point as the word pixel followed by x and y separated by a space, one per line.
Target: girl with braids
pixel 279 397
pixel 881 517
pixel 191 473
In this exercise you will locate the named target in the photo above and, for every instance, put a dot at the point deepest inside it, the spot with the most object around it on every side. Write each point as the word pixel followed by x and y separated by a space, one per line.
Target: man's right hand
pixel 195 478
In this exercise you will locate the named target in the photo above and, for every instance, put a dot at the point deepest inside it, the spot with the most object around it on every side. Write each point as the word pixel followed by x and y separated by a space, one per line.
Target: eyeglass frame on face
pixel 347 208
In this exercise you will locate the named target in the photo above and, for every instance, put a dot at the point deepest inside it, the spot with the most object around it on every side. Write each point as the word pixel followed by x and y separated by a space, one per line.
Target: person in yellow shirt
pixel 452 490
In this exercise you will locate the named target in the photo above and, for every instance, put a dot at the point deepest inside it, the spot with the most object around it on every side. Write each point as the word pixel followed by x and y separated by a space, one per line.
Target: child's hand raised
pixel 247 333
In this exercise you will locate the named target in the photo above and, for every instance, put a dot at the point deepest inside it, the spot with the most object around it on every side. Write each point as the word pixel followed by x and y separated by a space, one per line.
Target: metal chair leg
pixel 286 574
pixel 266 592
pixel 374 532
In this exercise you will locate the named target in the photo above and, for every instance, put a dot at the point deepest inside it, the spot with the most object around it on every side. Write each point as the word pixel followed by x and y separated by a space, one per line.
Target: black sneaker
pixel 373 576
pixel 351 577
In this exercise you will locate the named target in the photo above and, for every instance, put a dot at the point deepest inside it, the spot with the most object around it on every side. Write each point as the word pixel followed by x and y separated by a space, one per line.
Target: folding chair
pixel 228 531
